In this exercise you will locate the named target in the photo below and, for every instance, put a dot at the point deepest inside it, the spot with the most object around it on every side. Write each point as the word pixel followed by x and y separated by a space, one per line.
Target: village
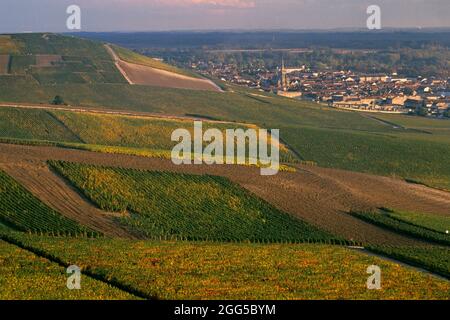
pixel 389 93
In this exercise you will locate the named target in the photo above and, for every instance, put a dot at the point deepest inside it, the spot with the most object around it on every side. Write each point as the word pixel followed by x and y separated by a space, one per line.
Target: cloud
pixel 241 4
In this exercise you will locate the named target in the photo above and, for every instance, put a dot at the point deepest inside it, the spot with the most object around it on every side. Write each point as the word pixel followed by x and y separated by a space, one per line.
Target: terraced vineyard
pixel 386 220
pixel 20 210
pixel 165 205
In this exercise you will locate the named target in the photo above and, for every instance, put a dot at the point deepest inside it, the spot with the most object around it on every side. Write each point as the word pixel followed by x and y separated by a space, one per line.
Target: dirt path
pixel 117 63
pixel 319 196
pixel 59 195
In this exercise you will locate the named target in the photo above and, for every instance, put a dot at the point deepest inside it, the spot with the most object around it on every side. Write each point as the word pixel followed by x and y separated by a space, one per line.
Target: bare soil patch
pixel 319 196
pixel 59 195
pixel 4 63
pixel 144 75
pixel 48 60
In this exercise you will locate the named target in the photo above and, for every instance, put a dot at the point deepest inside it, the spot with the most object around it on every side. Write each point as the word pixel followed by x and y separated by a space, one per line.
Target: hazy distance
pixel 160 15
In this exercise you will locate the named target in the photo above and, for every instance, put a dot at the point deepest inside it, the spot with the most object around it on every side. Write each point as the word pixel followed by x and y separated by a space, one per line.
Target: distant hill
pixel 350 39
pixel 51 59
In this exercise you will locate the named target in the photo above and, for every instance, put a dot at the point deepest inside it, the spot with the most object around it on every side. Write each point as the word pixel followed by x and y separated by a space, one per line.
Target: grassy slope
pixel 310 129
pixel 25 276
pixel 181 270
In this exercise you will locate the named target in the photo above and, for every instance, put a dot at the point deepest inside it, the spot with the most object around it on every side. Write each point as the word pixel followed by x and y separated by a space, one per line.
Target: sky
pixel 160 15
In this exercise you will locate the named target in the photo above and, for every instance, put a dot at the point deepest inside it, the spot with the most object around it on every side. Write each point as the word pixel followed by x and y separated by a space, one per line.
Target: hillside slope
pixel 142 70
pixel 51 59
pixel 331 138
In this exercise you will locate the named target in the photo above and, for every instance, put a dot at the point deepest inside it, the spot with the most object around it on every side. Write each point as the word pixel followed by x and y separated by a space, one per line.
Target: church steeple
pixel 283 76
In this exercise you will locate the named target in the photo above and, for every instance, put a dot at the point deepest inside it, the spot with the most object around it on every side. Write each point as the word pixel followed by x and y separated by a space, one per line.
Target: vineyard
pixel 33 125
pixel 66 60
pixel 102 132
pixel 428 221
pixel 29 277
pixel 435 259
pixel 20 210
pixel 331 138
pixel 187 270
pixel 400 226
pixel 167 205
pixel 389 154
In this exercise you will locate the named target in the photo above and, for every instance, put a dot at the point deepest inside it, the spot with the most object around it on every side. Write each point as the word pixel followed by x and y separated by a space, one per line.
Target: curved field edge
pixel 161 206
pixel 21 210
pixel 434 259
pixel 398 225
pixel 135 58
pixel 27 276
pixel 428 221
pixel 186 270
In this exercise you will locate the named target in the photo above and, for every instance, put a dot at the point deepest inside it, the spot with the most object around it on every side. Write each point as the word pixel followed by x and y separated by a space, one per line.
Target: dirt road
pixel 320 196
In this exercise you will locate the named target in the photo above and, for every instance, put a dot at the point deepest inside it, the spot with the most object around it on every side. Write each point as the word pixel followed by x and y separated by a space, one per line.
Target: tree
pixel 58 100
pixel 422 111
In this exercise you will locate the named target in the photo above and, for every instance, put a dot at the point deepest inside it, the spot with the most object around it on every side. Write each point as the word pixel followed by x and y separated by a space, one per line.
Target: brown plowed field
pixel 59 195
pixel 4 63
pixel 317 195
pixel 143 75
pixel 48 60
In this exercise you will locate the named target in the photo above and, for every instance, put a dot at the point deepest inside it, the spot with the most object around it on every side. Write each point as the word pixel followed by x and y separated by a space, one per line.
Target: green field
pixel 436 259
pixel 399 224
pixel 20 210
pixel 400 155
pixel 433 222
pixel 26 276
pixel 183 270
pixel 8 45
pixel 170 205
pixel 33 125
pixel 102 132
